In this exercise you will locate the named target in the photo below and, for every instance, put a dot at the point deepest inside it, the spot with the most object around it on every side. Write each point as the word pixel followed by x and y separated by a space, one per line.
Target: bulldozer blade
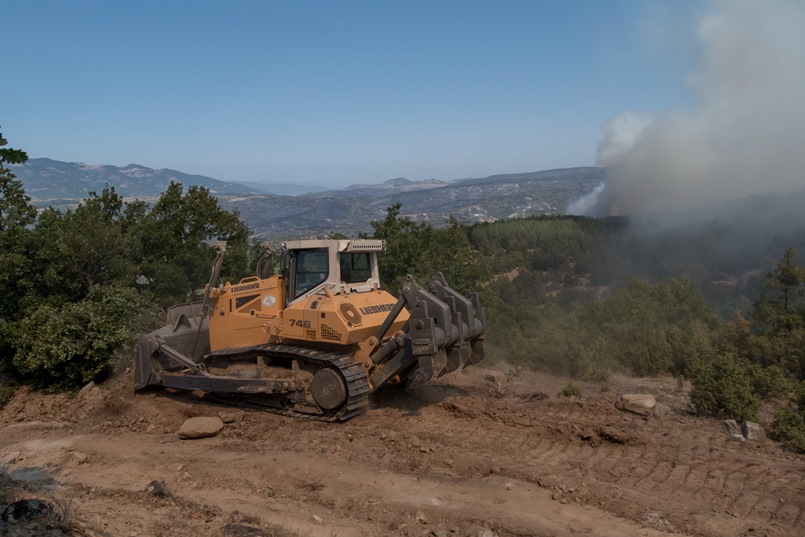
pixel 454 360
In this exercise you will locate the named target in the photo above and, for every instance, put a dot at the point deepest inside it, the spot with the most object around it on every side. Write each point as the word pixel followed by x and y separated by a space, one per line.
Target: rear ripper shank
pixel 316 340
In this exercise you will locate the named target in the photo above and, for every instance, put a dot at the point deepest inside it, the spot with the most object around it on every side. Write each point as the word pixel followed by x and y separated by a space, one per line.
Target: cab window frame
pixel 300 271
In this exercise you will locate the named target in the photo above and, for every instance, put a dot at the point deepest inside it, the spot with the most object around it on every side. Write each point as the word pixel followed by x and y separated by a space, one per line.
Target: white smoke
pixel 746 132
pixel 621 134
pixel 586 205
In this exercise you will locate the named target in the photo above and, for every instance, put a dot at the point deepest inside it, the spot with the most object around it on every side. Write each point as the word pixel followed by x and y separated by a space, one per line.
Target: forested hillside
pixel 715 298
pixel 714 303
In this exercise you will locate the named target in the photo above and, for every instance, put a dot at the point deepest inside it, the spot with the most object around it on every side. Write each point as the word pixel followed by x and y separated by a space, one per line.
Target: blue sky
pixel 337 92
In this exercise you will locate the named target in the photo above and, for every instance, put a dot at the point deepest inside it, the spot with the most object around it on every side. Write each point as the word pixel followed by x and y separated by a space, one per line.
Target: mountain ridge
pixel 349 210
pixel 45 179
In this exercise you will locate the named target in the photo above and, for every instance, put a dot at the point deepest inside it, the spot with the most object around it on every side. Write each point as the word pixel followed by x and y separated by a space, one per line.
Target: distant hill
pixel 501 196
pixel 282 189
pixel 397 185
pixel 288 211
pixel 351 210
pixel 47 179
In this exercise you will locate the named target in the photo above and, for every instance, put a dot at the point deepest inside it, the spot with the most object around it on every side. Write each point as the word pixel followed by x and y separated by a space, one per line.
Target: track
pixel 354 375
pixel 671 472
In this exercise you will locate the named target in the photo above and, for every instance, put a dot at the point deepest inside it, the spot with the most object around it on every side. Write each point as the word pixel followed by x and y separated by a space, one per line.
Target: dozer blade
pixel 179 345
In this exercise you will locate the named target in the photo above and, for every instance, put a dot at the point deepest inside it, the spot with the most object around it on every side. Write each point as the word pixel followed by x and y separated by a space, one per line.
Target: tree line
pixel 79 284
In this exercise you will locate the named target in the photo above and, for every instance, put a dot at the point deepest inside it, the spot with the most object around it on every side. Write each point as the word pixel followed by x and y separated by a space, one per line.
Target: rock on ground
pixel 752 431
pixel 639 403
pixel 158 488
pixel 200 427
pixel 732 429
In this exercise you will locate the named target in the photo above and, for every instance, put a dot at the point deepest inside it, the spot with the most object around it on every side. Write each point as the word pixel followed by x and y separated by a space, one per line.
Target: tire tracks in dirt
pixel 466 456
pixel 663 465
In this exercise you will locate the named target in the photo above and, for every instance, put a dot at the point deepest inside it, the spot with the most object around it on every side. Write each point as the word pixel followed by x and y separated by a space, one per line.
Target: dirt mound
pixel 481 453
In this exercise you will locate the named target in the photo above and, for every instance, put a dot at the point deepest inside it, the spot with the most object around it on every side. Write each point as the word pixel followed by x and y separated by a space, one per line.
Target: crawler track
pixel 356 380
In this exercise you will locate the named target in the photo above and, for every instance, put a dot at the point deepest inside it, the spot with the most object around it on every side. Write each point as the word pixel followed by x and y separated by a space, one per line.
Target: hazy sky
pixel 337 92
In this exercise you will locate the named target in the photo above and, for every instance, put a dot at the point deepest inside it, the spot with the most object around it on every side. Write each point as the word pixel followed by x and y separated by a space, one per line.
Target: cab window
pixel 311 269
pixel 355 267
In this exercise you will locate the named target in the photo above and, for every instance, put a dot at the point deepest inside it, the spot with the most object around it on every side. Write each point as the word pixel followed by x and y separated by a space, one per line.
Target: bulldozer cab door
pixel 307 269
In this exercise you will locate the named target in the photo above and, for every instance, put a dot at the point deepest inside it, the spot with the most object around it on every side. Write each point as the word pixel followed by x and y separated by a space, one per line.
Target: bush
pixel 653 329
pixel 789 428
pixel 6 392
pixel 789 425
pixel 571 390
pixel 69 346
pixel 772 382
pixel 723 388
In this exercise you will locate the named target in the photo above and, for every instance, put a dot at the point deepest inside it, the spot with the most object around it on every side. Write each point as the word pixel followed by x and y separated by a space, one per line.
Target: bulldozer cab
pixel 339 266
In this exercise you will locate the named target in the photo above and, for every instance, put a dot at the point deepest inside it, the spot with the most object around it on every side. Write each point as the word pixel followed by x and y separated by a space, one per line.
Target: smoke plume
pixel 745 134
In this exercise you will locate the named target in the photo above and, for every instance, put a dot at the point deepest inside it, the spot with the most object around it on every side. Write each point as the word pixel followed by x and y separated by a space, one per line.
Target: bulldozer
pixel 317 339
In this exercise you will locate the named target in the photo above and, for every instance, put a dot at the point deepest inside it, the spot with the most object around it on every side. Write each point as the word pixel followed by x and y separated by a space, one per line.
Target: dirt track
pixel 456 457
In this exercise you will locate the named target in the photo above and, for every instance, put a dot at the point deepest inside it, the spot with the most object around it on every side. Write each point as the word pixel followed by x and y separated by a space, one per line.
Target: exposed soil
pixel 461 456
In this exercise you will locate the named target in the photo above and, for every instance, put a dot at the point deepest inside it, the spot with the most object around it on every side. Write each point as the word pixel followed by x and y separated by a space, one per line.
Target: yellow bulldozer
pixel 316 340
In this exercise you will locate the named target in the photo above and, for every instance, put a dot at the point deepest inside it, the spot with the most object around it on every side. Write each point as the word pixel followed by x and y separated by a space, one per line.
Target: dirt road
pixel 459 457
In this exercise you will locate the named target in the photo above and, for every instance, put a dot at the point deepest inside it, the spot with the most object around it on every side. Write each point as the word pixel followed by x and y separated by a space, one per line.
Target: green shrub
pixel 789 425
pixel 571 390
pixel 789 428
pixel 654 328
pixel 6 392
pixel 772 381
pixel 69 346
pixel 723 388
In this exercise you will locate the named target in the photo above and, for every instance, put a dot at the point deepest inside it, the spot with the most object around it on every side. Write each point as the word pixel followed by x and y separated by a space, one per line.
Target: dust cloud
pixel 744 134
